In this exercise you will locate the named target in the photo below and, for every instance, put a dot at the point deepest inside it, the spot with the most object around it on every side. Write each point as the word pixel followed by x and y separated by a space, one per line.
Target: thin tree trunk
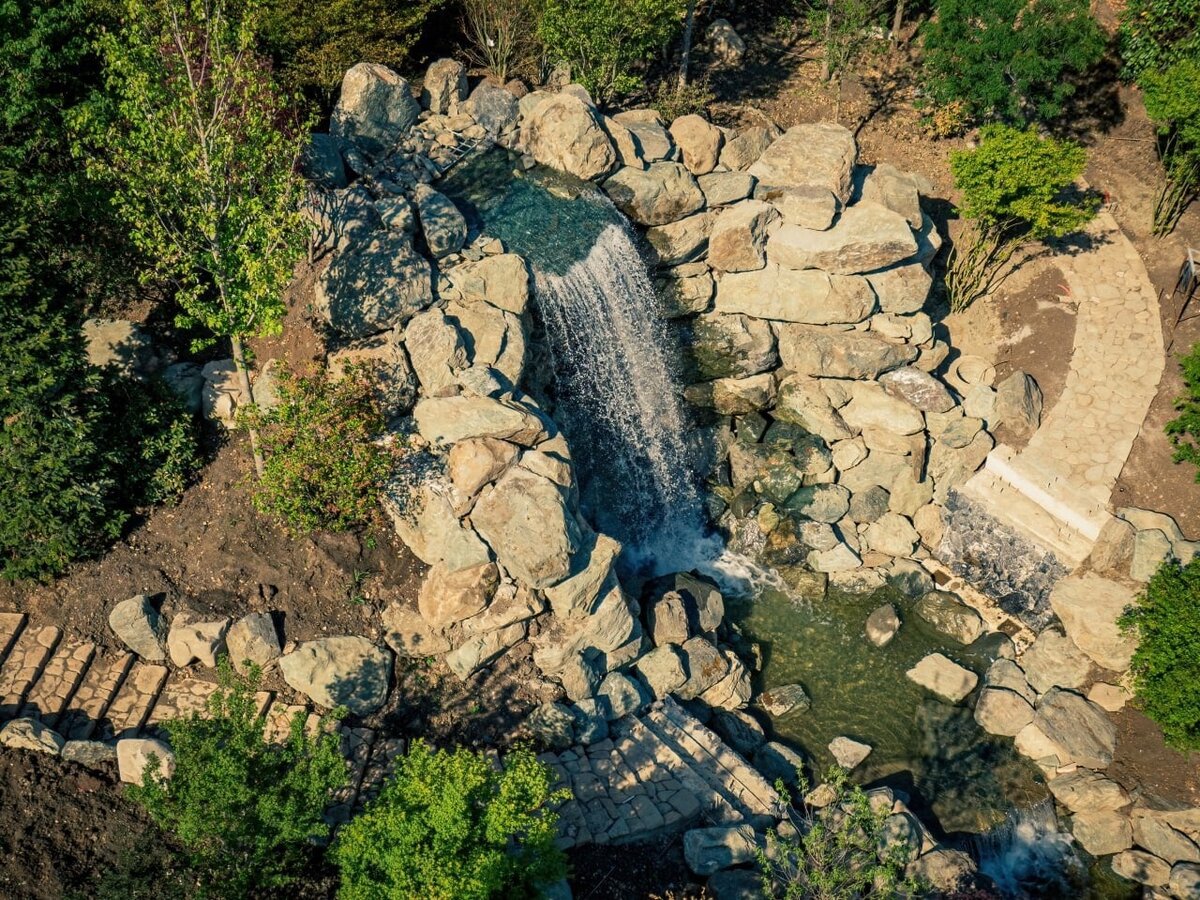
pixel 897 20
pixel 685 56
pixel 239 362
pixel 828 72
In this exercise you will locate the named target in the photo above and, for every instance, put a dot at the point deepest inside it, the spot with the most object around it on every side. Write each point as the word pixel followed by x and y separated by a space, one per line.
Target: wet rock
pixel 739 396
pixel 682 241
pixel 849 753
pixel 30 734
pixel 699 142
pixel 707 850
pixel 1001 711
pixel 816 154
pixel 1088 607
pixel 375 108
pixel 134 756
pixel 882 625
pixel 950 616
pixel 565 133
pixel 524 519
pixel 811 350
pixel 140 627
pixel 786 698
pixel 374 286
pixel 865 238
pixel 943 677
pixel 731 346
pixel 1080 731
pixel 1142 867
pixel 838 559
pixel 346 670
pixel 445 85
pixel 664 192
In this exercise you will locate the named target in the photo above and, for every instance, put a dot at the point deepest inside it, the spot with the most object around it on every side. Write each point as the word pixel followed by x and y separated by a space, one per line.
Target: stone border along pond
pixel 798 283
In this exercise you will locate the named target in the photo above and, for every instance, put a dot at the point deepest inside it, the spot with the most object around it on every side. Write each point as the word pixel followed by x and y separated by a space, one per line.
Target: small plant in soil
pixel 324 465
pixel 1184 430
pixel 1172 100
pixel 453 825
pixel 1017 187
pixel 1166 663
pixel 837 852
pixel 247 813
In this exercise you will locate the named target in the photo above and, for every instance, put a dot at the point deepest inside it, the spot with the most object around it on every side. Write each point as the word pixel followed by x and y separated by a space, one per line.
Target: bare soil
pixel 655 870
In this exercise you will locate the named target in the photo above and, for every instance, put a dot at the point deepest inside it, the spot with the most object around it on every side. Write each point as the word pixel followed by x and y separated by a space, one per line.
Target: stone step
pixel 657 753
pixel 96 691
pixel 10 626
pixel 60 678
pixel 1054 491
pixel 384 755
pixel 23 665
pixel 355 745
pixel 279 721
pixel 129 709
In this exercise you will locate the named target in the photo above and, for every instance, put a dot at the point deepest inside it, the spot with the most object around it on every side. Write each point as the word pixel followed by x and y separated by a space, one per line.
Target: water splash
pixel 1028 856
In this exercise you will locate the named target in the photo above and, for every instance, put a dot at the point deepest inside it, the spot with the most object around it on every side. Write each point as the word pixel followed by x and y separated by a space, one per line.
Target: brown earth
pixel 655 870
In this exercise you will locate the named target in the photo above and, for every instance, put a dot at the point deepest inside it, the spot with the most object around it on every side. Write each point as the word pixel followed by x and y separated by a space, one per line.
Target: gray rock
pixel 443 225
pixel 724 188
pixel 708 850
pixel 501 280
pixel 408 634
pixel 812 350
pixel 1144 868
pixel 346 670
pixel 1150 548
pixel 901 835
pixel 494 338
pixel 902 288
pixel 950 616
pixel 662 193
pixel 437 351
pixel 1088 607
pixel 591 568
pixel 818 154
pixel 30 734
pixel 734 690
pixel 1112 554
pixel 739 396
pixel 865 238
pixel 950 467
pixel 743 150
pixel 619 695
pixel 1079 730
pixel 740 730
pixel 1019 404
pixel 373 287
pixel 1001 711
pixel 253 639
pixel 786 698
pixel 918 389
pixel 374 109
pixel 943 677
pixel 837 559
pixel 699 143
pixel 321 162
pixel 882 625
pixel 776 761
pixel 425 520
pixel 140 627
pixel 1054 660
pixel 706 666
pixel 731 346
pixel 848 753
pixel 807 297
pixel 827 503
pixel 663 670
pixel 134 758
pixel 800 400
pixel 565 133
pixel 625 143
pixel 735 884
pixel 524 519
pixel 492 107
pixel 867 506
pixel 202 642
pixel 552 725
pixel 481 649
pixel 90 754
pixel 445 85
pixel 888 186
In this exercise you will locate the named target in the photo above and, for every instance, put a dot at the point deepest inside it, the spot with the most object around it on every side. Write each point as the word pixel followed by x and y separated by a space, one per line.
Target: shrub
pixel 323 464
pixel 500 35
pixel 1173 106
pixel 246 812
pixel 1009 59
pixel 1016 187
pixel 453 826
pixel 838 852
pixel 157 438
pixel 1184 430
pixel 1156 34
pixel 1166 663
pixel 608 42
pixel 673 99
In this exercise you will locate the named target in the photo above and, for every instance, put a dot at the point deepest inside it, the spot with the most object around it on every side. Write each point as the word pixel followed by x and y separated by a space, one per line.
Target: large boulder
pixel 699 142
pixel 871 407
pixel 525 520
pixel 682 241
pixel 820 154
pixel 810 350
pixel 492 106
pixel 724 188
pixel 918 388
pixel 591 569
pixel 663 670
pixel 448 597
pixel 950 616
pixel 443 225
pixel 385 364
pixel 1018 404
pixel 866 237
pixel 30 734
pixel 707 850
pixel 892 534
pixel 253 639
pixel 565 133
pixel 739 236
pixel 901 289
pixel 374 287
pixel 847 752
pixel 653 141
pixel 1001 711
pixel 1078 729
pixel 888 186
pixel 437 351
pixel 374 109
pixel 501 280
pixel 445 85
pixel 494 337
pixel 727 46
pixel 140 627
pixel 1142 867
pixel 706 666
pixel 424 518
pixel 1088 607
pixel 135 754
pixel 408 634
pixel 347 670
pixel 478 461
pixel 943 677
pixel 800 400
pixel 731 346
pixel 1053 660
pixel 190 641
pixel 448 420
pixel 656 195
pixel 808 297
pixel 1083 790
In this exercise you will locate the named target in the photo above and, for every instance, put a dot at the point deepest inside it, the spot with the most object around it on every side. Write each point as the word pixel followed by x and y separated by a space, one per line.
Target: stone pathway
pixel 658 772
pixel 1057 489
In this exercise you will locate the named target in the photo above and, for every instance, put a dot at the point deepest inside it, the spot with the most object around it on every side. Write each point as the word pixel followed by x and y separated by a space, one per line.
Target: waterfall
pixel 1028 856
pixel 619 403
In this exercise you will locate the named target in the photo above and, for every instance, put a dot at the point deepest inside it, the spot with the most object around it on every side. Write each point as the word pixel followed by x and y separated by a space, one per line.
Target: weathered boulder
pixel 663 670
pixel 447 597
pixel 29 734
pixel 385 364
pixel 346 670
pixel 786 698
pixel 739 396
pixel 425 519
pixel 816 154
pixel 902 288
pixel 565 133
pixel 920 389
pixel 810 296
pixel 779 762
pixel 448 420
pixel 437 351
pixel 492 106
pixel 1054 660
pixel 743 150
pixel 1088 607
pixel 1102 833
pixel 591 569
pixel 646 126
pixel 667 619
pixel 662 193
pixel 253 639
pixel 501 280
pixel 739 236
pixel 121 345
pixel 848 752
pixel 802 401
pixel 734 690
pixel 445 85
pixel 726 45
pixel 707 850
pixel 619 695
pixel 321 162
pixel 820 502
pixel 625 143
pixel 494 338
pixel 699 142
pixel 731 346
pixel 1142 867
pixel 374 286
pixel 1185 881
pixel 950 467
pixel 882 625
pixel 525 520
pixel 202 642
pixel 865 237
pixel 1153 831
pixel 408 634
pixel 443 226
pixel 946 871
pixel 92 754
pixel 950 616
pixel 681 241
pixel 479 650
pixel 740 730
pixel 706 666
pixel 892 534
pixel 872 407
pixel 1079 730
pixel 888 186
pixel 724 188
pixel 807 206
pixel 374 109
pixel 810 350
pixel 140 627
pixel 943 677
pixel 134 756
pixel 552 725
pixel 1018 404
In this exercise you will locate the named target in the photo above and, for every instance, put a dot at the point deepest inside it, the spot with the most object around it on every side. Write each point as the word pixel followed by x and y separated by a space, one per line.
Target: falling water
pixel 1028 856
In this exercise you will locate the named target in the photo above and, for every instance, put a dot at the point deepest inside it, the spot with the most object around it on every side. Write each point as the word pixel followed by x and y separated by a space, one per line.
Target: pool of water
pixel 928 747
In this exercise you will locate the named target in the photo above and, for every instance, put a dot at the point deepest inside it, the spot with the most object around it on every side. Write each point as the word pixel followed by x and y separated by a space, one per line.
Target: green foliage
pixel 1016 187
pixel 1010 60
pixel 842 25
pixel 315 44
pixel 202 148
pixel 246 812
pixel 608 42
pixel 324 467
pixel 452 826
pixel 1184 430
pixel 673 99
pixel 837 852
pixel 157 438
pixel 1156 34
pixel 1173 104
pixel 1166 664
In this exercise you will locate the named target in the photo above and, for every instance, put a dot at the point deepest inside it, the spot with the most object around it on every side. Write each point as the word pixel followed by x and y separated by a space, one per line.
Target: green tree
pixel 1173 104
pixel 202 148
pixel 314 44
pixel 1166 663
pixel 452 826
pixel 324 465
pixel 1184 430
pixel 838 852
pixel 246 812
pixel 608 42
pixel 1009 60
pixel 1156 34
pixel 1016 187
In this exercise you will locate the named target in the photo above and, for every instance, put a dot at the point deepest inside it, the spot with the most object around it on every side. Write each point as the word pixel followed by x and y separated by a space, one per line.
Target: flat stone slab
pixel 944 677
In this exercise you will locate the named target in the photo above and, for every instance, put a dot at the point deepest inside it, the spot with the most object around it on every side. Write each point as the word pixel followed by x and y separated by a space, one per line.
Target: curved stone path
pixel 1057 489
